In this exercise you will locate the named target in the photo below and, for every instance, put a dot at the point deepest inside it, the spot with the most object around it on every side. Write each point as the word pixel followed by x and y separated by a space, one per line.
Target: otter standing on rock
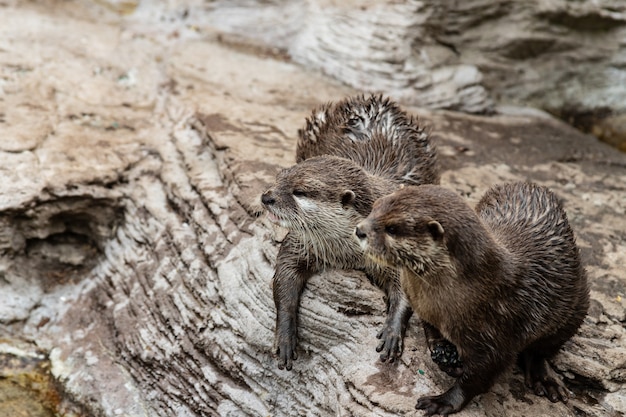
pixel 502 282
pixel 349 154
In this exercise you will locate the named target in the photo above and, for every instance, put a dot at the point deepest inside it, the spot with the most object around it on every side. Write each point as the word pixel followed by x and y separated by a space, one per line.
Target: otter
pixel 349 154
pixel 501 283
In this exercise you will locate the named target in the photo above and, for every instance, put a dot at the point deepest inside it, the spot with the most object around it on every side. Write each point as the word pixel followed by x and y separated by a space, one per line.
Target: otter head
pixel 320 195
pixel 402 231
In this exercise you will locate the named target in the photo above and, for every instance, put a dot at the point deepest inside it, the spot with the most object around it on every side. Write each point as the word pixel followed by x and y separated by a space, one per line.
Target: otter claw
pixel 390 344
pixel 286 361
pixel 286 352
pixel 434 405
pixel 552 390
pixel 542 379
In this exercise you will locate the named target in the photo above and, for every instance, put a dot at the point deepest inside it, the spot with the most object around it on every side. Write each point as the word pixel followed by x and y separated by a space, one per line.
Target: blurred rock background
pixel 564 57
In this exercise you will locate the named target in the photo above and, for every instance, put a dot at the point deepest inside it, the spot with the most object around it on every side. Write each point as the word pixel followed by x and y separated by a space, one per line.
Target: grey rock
pixel 555 55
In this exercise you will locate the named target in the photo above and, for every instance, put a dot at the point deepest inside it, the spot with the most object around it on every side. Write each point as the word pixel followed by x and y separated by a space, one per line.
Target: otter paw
pixel 286 352
pixel 549 386
pixel 435 405
pixel 552 390
pixel 542 379
pixel 445 355
pixel 390 345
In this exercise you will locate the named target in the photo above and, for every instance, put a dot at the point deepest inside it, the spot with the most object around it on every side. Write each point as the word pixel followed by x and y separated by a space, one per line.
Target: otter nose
pixel 267 198
pixel 360 233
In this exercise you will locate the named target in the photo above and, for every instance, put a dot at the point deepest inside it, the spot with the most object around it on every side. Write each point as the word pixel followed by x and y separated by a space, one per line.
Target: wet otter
pixel 349 154
pixel 501 282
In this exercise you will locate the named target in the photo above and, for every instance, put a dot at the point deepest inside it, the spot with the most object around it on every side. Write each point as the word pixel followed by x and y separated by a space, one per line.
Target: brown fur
pixel 502 282
pixel 349 154
pixel 374 133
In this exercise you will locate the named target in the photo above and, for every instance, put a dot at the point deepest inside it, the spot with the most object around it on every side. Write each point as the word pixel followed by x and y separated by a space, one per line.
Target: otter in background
pixel 349 154
pixel 504 282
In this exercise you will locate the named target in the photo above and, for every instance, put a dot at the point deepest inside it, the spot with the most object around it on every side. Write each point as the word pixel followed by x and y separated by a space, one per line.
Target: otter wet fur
pixel 503 282
pixel 349 154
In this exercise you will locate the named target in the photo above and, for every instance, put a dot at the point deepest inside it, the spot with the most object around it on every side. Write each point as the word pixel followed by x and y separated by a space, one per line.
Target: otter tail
pixel 376 134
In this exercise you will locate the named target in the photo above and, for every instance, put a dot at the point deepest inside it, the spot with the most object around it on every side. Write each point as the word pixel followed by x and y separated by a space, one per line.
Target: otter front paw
pixel 449 402
pixel 437 404
pixel 390 344
pixel 445 355
pixel 285 347
pixel 286 354
pixel 434 405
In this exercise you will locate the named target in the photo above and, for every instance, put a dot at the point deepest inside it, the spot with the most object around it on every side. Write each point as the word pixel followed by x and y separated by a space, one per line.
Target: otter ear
pixel 347 197
pixel 435 229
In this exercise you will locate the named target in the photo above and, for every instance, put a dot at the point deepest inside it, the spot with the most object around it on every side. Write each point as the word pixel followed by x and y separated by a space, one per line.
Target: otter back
pixel 376 134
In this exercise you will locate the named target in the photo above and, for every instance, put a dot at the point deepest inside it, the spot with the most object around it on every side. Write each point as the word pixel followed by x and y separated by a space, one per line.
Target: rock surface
pixel 565 57
pixel 132 155
pixel 551 54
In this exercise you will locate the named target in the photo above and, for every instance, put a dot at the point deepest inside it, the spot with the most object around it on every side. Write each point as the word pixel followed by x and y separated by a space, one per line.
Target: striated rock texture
pixel 133 151
pixel 567 57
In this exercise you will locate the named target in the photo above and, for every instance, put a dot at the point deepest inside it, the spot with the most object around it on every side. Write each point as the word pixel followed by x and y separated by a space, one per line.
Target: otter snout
pixel 267 198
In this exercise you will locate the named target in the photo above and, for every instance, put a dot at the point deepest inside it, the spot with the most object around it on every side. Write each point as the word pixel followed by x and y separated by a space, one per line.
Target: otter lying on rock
pixel 349 154
pixel 504 282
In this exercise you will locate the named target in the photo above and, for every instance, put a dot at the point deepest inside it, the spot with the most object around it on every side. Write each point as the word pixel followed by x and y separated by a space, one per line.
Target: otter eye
pixel 299 193
pixel 391 230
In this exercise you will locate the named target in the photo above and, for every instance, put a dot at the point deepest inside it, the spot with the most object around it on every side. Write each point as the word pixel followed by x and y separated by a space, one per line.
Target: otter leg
pixel 478 376
pixel 399 312
pixel 442 351
pixel 288 283
pixel 541 378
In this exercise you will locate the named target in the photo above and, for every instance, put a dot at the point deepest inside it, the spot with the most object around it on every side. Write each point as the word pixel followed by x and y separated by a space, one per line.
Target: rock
pixel 128 227
pixel 26 386
pixel 612 130
pixel 548 54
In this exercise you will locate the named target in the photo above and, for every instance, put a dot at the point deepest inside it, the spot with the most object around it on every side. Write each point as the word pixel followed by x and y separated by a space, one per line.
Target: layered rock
pixel 132 157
